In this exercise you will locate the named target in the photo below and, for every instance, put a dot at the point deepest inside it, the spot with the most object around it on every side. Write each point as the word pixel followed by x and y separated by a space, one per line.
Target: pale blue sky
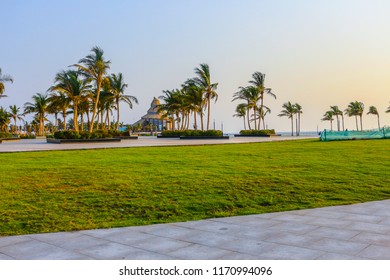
pixel 316 53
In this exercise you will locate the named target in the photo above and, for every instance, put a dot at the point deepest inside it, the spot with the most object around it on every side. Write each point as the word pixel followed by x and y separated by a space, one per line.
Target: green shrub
pixel 254 132
pixel 196 133
pixel 5 135
pixel 29 136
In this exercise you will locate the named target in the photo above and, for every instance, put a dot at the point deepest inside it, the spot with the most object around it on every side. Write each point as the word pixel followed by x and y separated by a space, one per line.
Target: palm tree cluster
pixel 193 98
pixel 87 90
pixel 290 110
pixel 253 101
pixel 354 109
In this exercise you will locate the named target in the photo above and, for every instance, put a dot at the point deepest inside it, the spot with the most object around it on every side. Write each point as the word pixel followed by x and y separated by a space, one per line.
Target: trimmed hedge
pixel 97 134
pixel 178 133
pixel 253 132
pixel 28 136
pixel 6 135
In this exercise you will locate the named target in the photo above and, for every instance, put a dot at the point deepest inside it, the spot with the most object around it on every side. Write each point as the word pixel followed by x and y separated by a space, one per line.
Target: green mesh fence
pixel 329 135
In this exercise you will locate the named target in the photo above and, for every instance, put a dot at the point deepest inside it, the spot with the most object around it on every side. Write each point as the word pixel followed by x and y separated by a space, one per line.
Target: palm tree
pixel 388 110
pixel 94 67
pixel 328 116
pixel 3 79
pixel 117 88
pixel 39 106
pixel 193 98
pixel 59 102
pixel 298 111
pixel 251 96
pixel 4 119
pixel 241 112
pixel 289 111
pixel 373 111
pixel 258 83
pixel 356 109
pixel 203 81
pixel 15 115
pixel 337 112
pixel 76 90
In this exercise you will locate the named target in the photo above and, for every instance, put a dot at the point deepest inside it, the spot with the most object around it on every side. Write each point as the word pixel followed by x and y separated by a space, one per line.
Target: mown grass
pixel 85 189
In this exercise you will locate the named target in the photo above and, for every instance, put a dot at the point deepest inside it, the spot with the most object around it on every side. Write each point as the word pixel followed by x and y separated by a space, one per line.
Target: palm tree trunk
pixel 64 124
pixel 357 126
pixel 338 123
pixel 244 123
pixel 342 117
pixel 95 108
pixel 299 124
pixel 117 114
pixel 82 121
pixel 208 112
pixel 361 123
pixel 254 116
pixel 195 125
pixel 331 125
pixel 379 124
pixel 249 123
pixel 292 126
pixel 108 119
pixel 75 117
pixel 201 119
pixel 88 120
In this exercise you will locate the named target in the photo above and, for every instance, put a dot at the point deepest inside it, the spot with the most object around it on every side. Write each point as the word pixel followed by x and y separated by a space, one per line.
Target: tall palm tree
pixel 288 111
pixel 76 89
pixel 203 80
pixel 117 88
pixel 356 109
pixel 39 106
pixel 94 67
pixel 15 115
pixel 3 79
pixel 373 111
pixel 258 83
pixel 59 102
pixel 337 112
pixel 298 111
pixel 241 112
pixel 328 116
pixel 193 98
pixel 171 106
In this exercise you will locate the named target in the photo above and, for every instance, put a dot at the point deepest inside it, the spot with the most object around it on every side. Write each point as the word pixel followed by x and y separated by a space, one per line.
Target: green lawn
pixel 85 189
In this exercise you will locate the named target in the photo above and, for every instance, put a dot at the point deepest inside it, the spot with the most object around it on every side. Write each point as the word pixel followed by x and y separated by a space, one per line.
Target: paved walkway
pixel 360 231
pixel 142 141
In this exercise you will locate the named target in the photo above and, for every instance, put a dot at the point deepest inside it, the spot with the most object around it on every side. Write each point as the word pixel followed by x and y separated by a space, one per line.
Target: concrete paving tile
pixel 258 234
pixel 286 252
pixel 160 244
pixel 326 213
pixel 33 249
pixel 199 252
pixel 368 227
pixel 334 256
pixel 56 238
pixel 336 233
pixel 109 251
pixel 127 237
pixel 328 222
pixel 4 257
pixel 385 221
pixel 375 252
pixel 293 218
pixel 260 223
pixel 239 256
pixel 292 239
pixel 145 255
pixel 373 238
pixel 206 238
pixel 169 231
pixel 363 218
pixel 293 227
pixel 10 240
pixel 364 209
pixel 245 246
pixel 218 227
pixel 338 246
pixel 79 242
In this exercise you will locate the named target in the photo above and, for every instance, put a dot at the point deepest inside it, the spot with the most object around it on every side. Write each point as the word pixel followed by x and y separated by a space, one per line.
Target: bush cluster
pixel 97 134
pixel 178 133
pixel 254 132
pixel 28 136
pixel 5 135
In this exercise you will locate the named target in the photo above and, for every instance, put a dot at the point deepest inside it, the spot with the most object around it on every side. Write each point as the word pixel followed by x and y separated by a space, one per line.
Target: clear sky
pixel 316 53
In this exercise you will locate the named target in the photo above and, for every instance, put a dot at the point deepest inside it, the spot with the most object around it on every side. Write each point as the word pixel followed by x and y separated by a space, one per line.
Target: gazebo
pixel 153 117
